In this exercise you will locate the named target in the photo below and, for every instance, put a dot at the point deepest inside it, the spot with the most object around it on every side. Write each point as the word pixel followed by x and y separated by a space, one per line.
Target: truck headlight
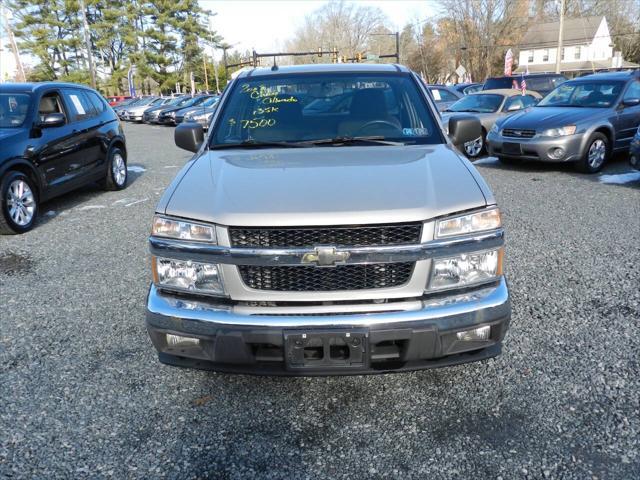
pixel 481 221
pixel 182 230
pixel 466 269
pixel 559 132
pixel 187 276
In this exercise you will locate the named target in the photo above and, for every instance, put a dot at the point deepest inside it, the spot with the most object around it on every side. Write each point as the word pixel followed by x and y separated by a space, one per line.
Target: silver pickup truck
pixel 327 225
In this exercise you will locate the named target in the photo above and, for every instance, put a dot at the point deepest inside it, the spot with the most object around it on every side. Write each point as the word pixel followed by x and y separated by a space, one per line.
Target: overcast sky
pixel 266 24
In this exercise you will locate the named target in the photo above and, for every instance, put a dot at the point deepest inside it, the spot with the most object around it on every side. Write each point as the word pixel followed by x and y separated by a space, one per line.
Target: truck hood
pixel 325 186
pixel 542 118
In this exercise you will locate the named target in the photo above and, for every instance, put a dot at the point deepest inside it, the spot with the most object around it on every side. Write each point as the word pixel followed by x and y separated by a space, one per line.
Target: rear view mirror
pixel 51 120
pixel 189 136
pixel 463 129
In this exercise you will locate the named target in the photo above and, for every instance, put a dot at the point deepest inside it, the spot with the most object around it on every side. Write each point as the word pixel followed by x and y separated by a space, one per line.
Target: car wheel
pixel 19 203
pixel 595 155
pixel 476 147
pixel 116 176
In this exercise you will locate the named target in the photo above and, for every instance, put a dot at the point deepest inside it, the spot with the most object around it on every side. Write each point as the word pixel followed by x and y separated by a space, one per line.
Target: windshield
pixel 320 107
pixel 583 94
pixel 13 109
pixel 146 100
pixel 480 103
pixel 210 101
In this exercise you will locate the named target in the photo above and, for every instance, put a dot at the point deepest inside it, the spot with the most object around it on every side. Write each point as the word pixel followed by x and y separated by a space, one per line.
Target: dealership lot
pixel 84 396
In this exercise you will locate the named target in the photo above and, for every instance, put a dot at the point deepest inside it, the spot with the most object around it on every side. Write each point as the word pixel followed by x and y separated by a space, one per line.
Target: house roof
pixel 582 66
pixel 576 31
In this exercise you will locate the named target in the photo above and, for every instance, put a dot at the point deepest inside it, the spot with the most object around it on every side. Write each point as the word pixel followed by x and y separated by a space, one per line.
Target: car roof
pixel 325 68
pixel 609 76
pixel 509 92
pixel 528 75
pixel 26 87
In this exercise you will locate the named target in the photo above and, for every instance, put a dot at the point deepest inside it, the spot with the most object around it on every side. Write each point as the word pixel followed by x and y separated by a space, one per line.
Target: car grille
pixel 349 236
pixel 518 133
pixel 319 279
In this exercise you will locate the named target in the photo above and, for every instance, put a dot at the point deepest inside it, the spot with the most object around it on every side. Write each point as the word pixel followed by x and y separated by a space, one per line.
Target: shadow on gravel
pixel 15 264
pixel 64 203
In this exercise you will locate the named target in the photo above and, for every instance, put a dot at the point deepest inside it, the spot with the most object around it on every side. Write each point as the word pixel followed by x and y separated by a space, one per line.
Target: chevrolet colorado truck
pixel 327 225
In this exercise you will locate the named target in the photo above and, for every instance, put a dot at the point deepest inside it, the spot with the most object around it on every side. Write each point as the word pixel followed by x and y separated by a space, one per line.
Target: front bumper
pixel 537 148
pixel 233 340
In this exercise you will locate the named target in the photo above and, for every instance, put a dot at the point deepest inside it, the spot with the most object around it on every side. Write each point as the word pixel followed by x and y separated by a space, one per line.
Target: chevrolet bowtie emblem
pixel 325 257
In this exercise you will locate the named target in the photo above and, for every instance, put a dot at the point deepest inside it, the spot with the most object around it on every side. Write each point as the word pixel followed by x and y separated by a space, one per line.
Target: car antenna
pixel 275 66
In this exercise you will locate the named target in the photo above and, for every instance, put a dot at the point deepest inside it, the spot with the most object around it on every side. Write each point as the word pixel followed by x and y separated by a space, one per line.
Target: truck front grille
pixel 342 236
pixel 319 279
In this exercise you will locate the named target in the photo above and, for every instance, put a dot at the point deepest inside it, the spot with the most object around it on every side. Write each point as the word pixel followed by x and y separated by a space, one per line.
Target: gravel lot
pixel 83 396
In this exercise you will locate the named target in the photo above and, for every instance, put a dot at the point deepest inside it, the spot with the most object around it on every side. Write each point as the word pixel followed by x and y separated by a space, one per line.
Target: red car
pixel 117 99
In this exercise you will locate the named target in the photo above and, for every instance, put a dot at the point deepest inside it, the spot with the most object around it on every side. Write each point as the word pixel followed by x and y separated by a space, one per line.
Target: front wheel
pixel 19 203
pixel 476 147
pixel 595 155
pixel 116 176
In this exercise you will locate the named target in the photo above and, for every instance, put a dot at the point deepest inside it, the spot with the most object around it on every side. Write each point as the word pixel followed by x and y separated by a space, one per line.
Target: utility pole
pixel 14 46
pixel 560 36
pixel 87 42
pixel 206 78
pixel 398 47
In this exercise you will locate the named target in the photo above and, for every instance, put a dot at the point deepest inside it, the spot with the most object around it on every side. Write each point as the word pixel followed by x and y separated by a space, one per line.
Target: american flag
pixel 523 85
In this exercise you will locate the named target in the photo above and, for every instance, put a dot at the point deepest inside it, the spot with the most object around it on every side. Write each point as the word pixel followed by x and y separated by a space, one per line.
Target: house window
pixel 562 54
pixel 545 55
pixel 530 56
pixel 577 53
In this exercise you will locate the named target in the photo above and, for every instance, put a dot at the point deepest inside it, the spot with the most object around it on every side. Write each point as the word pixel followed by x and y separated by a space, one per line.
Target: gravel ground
pixel 83 396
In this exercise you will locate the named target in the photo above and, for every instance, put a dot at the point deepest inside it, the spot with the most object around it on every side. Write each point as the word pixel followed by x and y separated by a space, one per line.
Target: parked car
pixel 121 107
pixel 634 151
pixel 115 100
pixel 443 96
pixel 489 106
pixel 582 121
pixel 299 244
pixel 467 88
pixel 200 108
pixel 134 113
pixel 167 116
pixel 177 102
pixel 202 116
pixel 542 83
pixel 54 137
pixel 150 115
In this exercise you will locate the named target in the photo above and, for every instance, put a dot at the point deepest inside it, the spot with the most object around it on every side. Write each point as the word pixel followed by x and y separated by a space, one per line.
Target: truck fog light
pixel 556 153
pixel 187 276
pixel 466 269
pixel 180 341
pixel 480 333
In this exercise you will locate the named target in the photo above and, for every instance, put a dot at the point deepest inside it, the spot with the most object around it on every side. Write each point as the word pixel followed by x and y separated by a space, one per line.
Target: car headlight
pixel 187 276
pixel 182 230
pixel 466 269
pixel 481 221
pixel 559 132
pixel 203 117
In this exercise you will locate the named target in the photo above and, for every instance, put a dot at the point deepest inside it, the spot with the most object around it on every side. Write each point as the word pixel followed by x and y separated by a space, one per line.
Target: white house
pixel 587 46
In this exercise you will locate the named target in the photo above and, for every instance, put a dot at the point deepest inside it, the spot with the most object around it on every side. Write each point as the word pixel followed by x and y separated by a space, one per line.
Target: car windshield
pixel 583 94
pixel 146 100
pixel 326 109
pixel 13 109
pixel 480 103
pixel 210 101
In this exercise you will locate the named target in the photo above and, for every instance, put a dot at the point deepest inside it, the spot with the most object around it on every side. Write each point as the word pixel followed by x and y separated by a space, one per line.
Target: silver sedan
pixel 489 106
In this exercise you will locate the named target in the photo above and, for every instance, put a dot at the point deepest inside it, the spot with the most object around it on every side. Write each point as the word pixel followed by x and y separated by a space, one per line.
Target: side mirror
pixel 463 129
pixel 189 136
pixel 51 120
pixel 514 107
pixel 631 102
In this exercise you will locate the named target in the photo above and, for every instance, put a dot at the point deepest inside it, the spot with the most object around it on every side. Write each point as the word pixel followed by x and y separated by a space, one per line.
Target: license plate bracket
pixel 512 148
pixel 331 348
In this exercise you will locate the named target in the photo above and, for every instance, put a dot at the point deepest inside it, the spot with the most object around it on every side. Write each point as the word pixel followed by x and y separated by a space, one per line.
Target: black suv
pixel 542 83
pixel 54 137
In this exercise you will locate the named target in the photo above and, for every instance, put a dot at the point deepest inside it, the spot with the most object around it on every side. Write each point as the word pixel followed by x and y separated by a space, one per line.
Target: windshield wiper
pixel 344 140
pixel 251 143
